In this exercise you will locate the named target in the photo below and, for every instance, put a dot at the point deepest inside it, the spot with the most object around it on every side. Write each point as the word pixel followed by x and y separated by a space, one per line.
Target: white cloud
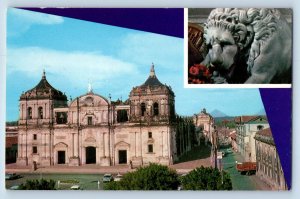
pixel 145 48
pixel 75 67
pixel 20 21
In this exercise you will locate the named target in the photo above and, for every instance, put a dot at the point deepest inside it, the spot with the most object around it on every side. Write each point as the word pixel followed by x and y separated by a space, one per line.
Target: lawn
pixel 86 181
pixel 199 152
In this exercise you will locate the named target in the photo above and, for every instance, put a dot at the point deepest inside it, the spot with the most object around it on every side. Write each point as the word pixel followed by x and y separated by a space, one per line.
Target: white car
pixel 75 187
pixel 118 177
pixel 228 151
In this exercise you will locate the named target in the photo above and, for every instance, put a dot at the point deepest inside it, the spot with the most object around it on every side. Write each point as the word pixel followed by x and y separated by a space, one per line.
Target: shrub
pixel 209 178
pixel 152 177
pixel 113 185
pixel 41 184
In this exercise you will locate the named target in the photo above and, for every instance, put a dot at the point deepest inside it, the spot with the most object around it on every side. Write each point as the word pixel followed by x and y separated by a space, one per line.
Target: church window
pixel 172 111
pixel 143 109
pixel 260 127
pixel 29 113
pixel 90 120
pixel 40 111
pixel 149 135
pixel 122 116
pixel 201 127
pixel 34 137
pixel 150 148
pixel 34 149
pixel 61 117
pixel 155 108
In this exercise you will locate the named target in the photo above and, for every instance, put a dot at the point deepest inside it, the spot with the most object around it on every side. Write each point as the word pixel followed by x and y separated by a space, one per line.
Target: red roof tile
pixel 246 118
pixel 265 132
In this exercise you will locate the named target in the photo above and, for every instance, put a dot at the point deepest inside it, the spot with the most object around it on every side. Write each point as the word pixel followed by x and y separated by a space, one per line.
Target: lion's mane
pixel 250 28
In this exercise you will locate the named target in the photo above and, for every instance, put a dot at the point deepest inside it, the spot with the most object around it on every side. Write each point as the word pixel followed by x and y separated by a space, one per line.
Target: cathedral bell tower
pixel 36 119
pixel 152 102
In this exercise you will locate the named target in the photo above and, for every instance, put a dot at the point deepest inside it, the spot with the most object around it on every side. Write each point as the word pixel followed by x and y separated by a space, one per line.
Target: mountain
pixel 217 113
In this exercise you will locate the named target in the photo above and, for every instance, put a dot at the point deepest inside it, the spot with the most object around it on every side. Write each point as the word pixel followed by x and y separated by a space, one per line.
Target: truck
pixel 247 168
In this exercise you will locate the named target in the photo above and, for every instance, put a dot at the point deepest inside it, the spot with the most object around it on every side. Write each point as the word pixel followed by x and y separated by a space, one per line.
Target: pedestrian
pixel 130 162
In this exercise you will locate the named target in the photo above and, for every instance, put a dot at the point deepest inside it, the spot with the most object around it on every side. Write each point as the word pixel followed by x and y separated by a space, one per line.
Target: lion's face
pixel 248 45
pixel 222 49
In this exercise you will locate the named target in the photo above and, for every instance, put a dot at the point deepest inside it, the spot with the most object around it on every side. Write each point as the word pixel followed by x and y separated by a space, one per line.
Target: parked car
pixel 228 151
pixel 118 177
pixel 107 178
pixel 11 176
pixel 15 187
pixel 248 168
pixel 75 187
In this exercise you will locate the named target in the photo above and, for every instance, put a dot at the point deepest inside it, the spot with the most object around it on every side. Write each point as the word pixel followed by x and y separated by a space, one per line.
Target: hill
pixel 217 113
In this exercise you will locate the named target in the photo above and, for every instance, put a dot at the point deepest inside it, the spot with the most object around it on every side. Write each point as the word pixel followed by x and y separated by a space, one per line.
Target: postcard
pixel 96 99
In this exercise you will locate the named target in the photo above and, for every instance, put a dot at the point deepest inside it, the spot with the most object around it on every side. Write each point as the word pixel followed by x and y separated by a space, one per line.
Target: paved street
pixel 89 175
pixel 241 182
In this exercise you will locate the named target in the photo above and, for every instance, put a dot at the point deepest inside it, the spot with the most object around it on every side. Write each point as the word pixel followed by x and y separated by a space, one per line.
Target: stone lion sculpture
pixel 249 45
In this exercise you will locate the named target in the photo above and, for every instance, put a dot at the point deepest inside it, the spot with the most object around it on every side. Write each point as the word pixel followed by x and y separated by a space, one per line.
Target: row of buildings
pixel 11 143
pixel 254 141
pixel 93 129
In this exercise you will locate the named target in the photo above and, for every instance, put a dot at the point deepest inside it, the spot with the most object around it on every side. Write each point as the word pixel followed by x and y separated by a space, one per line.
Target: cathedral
pixel 92 129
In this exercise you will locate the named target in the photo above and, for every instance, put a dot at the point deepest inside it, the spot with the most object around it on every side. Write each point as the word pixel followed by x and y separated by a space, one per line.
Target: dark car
pixel 11 176
pixel 107 178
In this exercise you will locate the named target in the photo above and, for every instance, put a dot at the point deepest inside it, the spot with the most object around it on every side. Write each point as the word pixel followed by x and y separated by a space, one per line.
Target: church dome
pixel 43 90
pixel 152 84
pixel 152 79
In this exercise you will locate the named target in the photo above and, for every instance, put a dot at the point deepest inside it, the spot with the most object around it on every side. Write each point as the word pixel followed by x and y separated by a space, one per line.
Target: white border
pixel 186 85
pixel 229 86
pixel 185 51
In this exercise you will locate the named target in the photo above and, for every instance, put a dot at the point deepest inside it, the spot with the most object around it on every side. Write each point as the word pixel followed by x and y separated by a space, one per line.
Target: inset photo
pixel 239 46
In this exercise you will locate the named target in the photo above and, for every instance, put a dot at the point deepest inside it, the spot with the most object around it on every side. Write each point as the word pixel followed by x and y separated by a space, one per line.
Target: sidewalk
pixel 85 169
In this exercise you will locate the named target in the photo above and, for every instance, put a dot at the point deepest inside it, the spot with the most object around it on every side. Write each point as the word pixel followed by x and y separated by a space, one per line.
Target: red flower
pixel 201 67
pixel 194 70
pixel 199 74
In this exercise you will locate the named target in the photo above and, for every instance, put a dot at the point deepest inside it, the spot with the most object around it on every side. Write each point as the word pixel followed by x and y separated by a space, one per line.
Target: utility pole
pixel 215 146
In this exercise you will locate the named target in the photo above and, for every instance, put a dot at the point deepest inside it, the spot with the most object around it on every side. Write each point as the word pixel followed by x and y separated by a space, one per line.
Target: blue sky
pixel 112 59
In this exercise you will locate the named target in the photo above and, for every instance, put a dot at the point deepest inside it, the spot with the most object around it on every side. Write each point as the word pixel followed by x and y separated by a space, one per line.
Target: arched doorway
pixel 90 154
pixel 61 157
pixel 121 152
pixel 122 156
pixel 61 153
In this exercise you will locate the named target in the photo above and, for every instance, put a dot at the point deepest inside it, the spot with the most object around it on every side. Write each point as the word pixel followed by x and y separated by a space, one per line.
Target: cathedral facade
pixel 92 129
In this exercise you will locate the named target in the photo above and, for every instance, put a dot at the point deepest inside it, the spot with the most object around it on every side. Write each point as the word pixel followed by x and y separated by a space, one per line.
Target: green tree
pixel 41 184
pixel 203 178
pixel 152 177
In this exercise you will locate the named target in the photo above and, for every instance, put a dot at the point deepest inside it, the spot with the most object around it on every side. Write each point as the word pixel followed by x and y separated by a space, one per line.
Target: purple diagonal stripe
pixel 278 106
pixel 166 21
